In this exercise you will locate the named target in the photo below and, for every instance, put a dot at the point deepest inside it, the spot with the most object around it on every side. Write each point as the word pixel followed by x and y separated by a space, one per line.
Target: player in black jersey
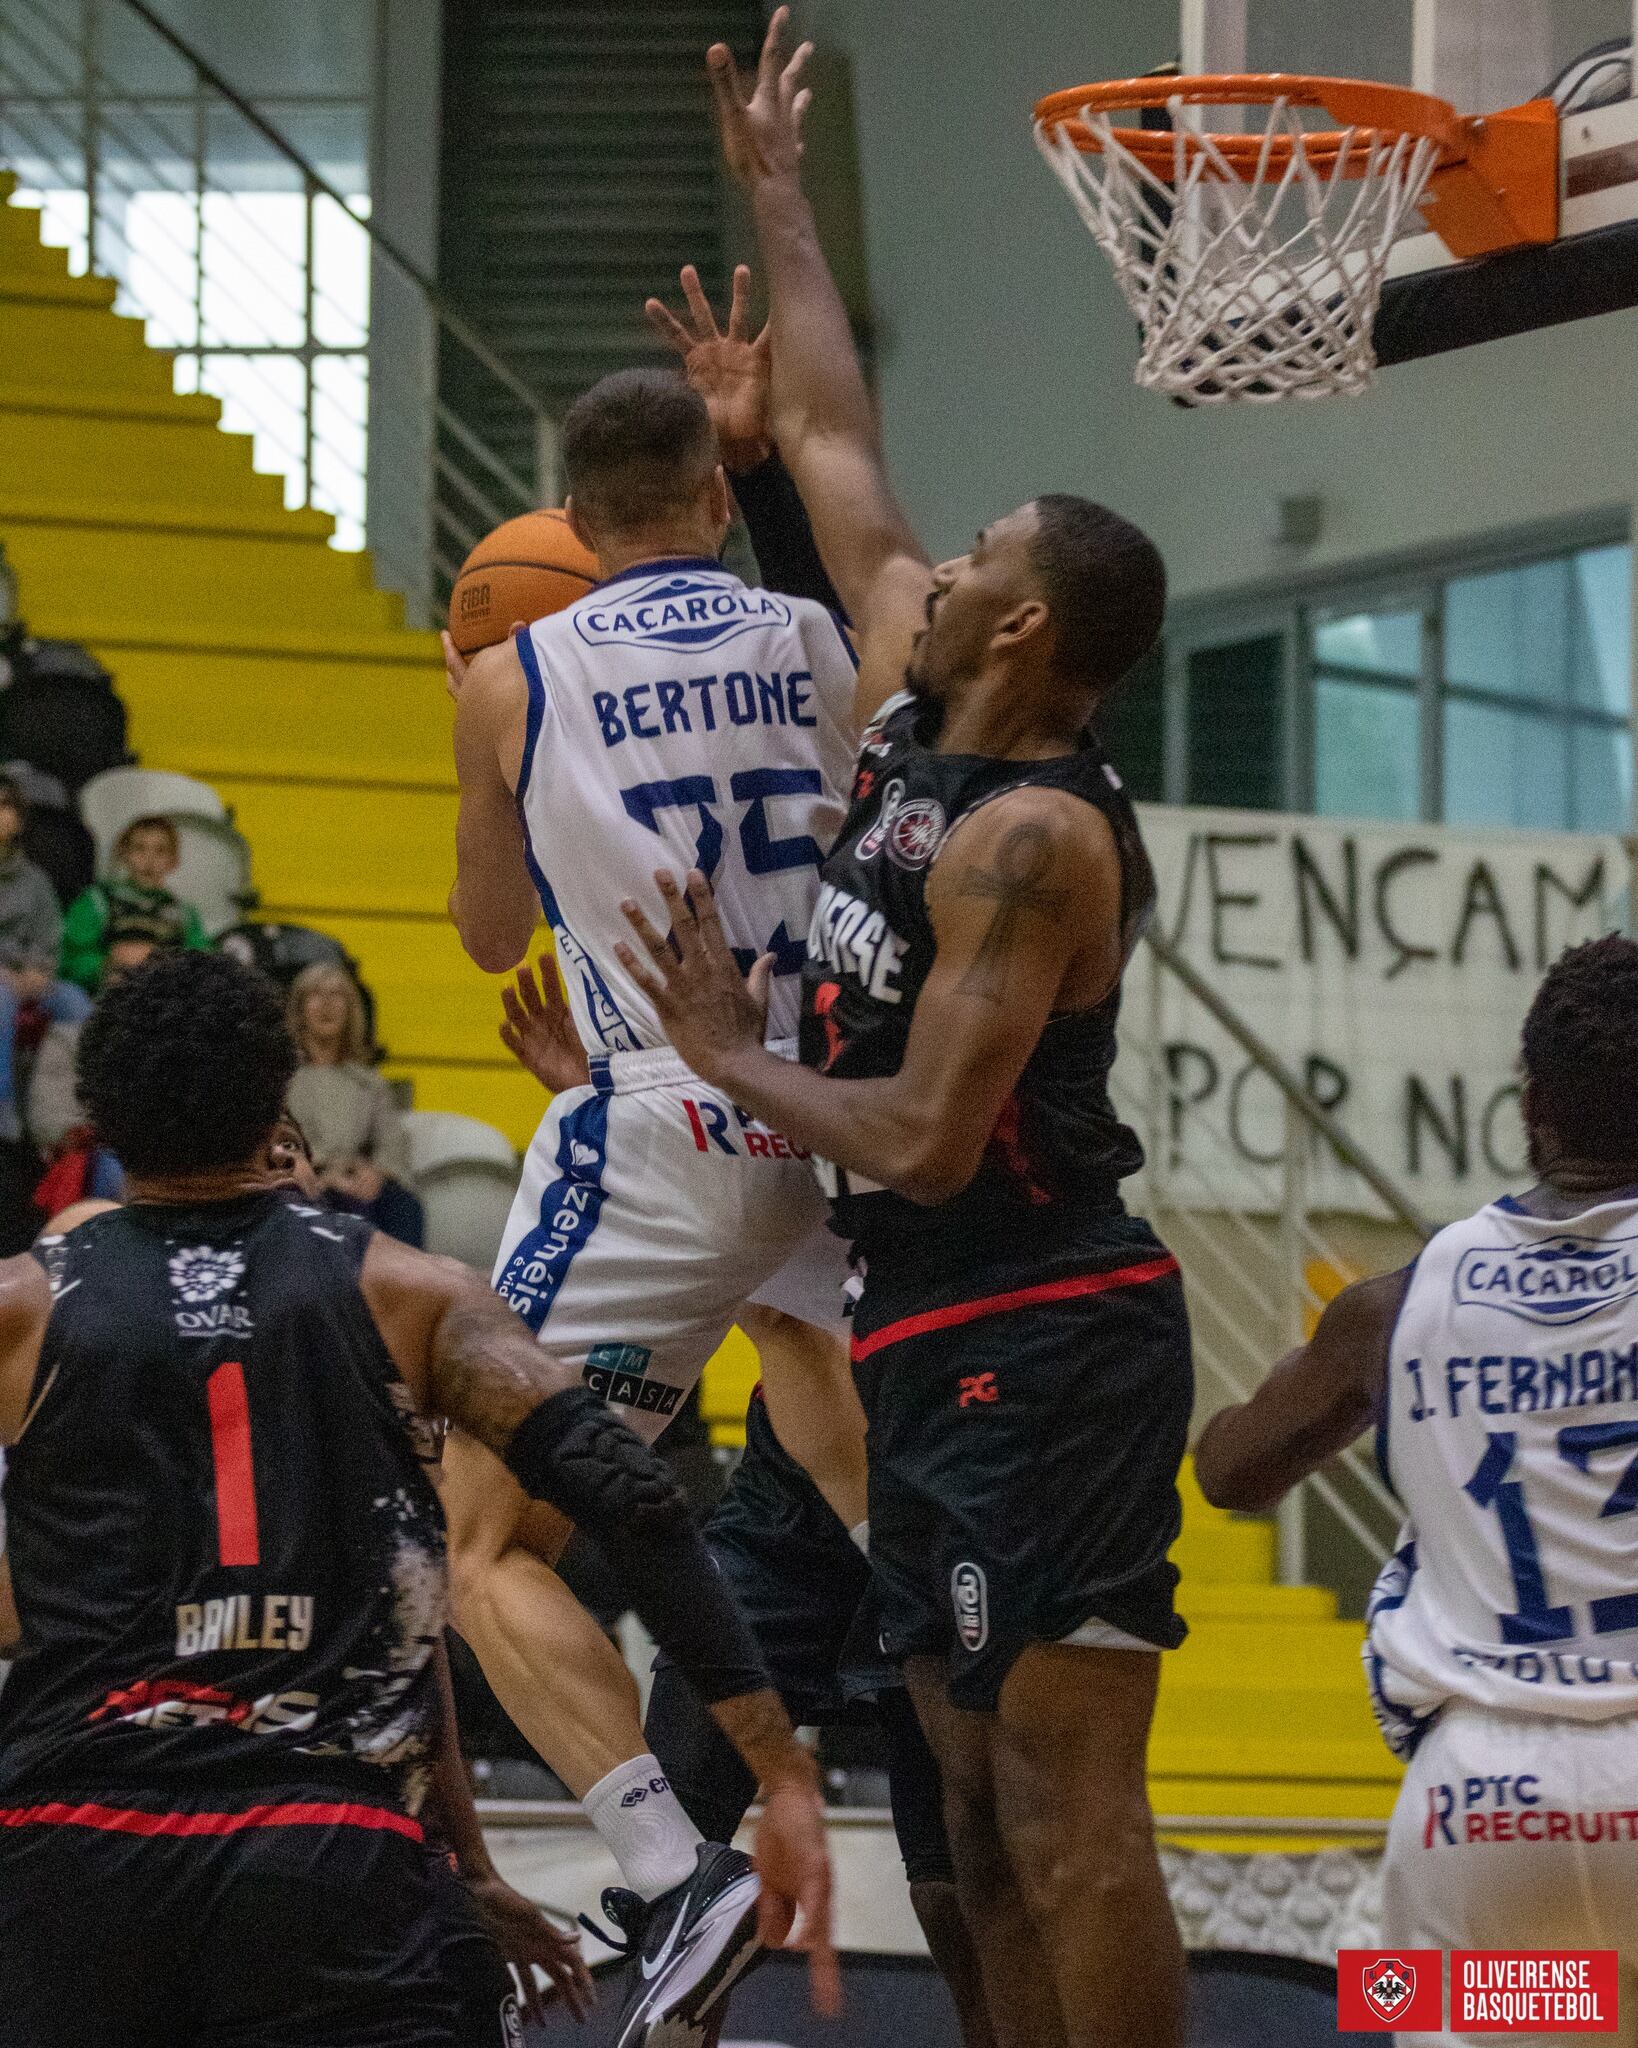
pixel 227 1563
pixel 1023 1337
pixel 479 1924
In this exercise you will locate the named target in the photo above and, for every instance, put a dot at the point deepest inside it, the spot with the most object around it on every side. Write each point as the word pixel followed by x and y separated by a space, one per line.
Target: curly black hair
pixel 183 1065
pixel 1580 1050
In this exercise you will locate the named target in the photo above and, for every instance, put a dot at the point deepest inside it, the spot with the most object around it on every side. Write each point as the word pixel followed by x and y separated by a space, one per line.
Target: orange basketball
pixel 522 571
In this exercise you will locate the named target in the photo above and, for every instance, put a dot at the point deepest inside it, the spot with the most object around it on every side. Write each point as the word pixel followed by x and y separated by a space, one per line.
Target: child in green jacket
pixel 145 857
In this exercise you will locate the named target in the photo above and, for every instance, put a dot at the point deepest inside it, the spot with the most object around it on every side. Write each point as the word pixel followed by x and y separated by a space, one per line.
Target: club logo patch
pixel 1562 1279
pixel 912 832
pixel 202 1273
pixel 1389 1986
pixel 970 1597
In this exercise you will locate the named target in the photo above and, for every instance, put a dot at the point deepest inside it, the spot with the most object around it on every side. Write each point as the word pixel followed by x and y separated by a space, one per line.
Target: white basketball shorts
pixel 1516 1831
pixel 649 1211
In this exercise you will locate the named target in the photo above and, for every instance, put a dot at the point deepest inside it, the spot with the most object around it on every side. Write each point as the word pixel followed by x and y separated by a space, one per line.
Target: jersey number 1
pixel 237 1539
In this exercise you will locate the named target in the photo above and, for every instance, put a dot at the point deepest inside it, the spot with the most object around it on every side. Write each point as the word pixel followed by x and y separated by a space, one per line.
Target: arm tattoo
pixel 1017 885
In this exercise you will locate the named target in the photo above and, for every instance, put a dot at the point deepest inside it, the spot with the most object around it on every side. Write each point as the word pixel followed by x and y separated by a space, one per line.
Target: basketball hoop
pixel 1254 261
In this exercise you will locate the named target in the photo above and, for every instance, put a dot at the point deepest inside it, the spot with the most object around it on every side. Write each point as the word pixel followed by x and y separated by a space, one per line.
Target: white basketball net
pixel 1258 286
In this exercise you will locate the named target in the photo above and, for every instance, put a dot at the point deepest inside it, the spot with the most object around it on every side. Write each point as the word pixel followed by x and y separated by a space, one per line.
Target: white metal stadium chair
pixel 110 801
pixel 465 1172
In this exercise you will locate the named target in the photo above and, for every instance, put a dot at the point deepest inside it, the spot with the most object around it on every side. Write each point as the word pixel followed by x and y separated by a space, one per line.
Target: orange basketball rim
pixel 1495 186
pixel 1254 259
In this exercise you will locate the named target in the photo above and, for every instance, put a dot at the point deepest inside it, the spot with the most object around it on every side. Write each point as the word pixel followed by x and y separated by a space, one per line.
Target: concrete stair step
pixel 63 347
pixel 171 468
pixel 29 277
pixel 348 710
pixel 59 401
pixel 183 515
pixel 348 847
pixel 104 575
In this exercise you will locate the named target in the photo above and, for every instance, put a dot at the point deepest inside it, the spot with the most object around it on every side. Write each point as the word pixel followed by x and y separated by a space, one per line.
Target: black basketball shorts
pixel 800 1581
pixel 804 1586
pixel 164 1923
pixel 487 2013
pixel 1028 1414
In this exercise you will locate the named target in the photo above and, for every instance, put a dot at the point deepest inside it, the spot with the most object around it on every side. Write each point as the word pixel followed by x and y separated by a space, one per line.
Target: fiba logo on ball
pixel 970 1596
pixel 474 600
pixel 201 1273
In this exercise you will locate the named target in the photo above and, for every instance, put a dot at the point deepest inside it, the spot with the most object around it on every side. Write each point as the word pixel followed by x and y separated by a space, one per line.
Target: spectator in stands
pixel 77 1167
pixel 31 931
pixel 343 1103
pixel 136 894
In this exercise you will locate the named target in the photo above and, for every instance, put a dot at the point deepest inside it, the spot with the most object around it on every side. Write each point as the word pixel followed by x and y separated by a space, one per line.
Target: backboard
pixel 1481 55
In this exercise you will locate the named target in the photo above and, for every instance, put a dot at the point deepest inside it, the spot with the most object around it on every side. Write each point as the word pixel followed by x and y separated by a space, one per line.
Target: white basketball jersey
pixel 679 718
pixel 1511 1423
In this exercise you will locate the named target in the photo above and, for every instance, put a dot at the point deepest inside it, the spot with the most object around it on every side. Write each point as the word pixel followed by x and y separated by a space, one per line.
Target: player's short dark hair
pixel 1105 583
pixel 637 445
pixel 183 1065
pixel 1580 1050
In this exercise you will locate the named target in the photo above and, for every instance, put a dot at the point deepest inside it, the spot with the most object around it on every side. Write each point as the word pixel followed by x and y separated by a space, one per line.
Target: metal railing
pixel 1256 1258
pixel 254 267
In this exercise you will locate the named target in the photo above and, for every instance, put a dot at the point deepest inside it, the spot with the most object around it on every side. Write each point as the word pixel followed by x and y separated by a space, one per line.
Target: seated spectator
pixel 135 895
pixel 77 1167
pixel 359 1145
pixel 31 931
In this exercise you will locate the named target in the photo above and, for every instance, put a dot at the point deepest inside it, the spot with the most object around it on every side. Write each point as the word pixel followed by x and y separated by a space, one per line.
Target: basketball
pixel 523 570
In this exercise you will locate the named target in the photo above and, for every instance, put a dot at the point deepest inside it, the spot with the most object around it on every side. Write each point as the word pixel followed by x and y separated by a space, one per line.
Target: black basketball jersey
pixel 1058 1141
pixel 225 1546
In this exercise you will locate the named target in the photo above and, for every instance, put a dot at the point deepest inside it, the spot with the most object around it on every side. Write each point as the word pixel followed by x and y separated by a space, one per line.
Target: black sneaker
pixel 691 1945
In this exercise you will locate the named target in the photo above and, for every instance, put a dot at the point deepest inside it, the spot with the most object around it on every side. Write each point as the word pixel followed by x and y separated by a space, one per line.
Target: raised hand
pixel 539 1032
pixel 710 1011
pixel 728 370
pixel 762 128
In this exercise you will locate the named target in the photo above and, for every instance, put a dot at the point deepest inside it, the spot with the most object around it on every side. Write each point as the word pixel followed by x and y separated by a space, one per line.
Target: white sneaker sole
pixel 720 1950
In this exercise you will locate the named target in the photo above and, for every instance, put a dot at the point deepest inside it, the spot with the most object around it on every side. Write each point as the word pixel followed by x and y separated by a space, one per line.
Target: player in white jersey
pixel 1501 1370
pixel 672 714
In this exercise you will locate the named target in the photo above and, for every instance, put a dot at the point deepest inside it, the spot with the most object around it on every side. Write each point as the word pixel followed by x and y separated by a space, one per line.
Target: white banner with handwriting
pixel 1389 965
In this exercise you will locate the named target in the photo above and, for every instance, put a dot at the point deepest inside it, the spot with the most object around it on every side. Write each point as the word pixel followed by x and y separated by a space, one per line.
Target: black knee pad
pixel 572 1453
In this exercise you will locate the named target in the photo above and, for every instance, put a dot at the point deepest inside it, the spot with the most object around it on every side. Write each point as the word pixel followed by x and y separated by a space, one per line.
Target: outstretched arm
pixel 822 417
pixel 1025 904
pixel 1312 1405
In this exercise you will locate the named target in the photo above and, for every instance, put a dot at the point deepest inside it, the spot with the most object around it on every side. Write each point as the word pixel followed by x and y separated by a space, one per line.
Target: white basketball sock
pixel 642 1822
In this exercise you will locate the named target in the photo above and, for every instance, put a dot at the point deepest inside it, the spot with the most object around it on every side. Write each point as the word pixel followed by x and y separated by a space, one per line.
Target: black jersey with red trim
pixel 1058 1142
pixel 225 1547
